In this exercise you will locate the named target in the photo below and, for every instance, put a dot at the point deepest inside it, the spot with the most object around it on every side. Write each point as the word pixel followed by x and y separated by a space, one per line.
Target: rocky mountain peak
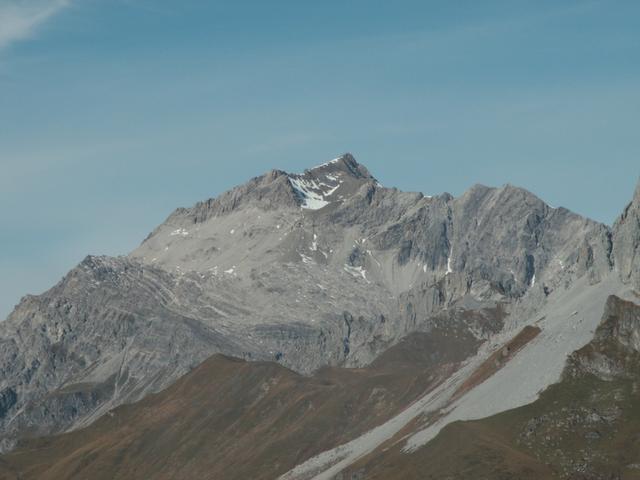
pixel 333 181
pixel 345 163
pixel 317 187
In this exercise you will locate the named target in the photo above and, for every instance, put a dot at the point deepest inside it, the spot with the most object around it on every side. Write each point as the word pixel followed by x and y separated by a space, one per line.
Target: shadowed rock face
pixel 324 268
pixel 615 349
pixel 626 246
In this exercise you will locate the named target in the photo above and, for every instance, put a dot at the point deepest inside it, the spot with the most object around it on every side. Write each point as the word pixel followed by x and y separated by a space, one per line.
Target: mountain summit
pixel 329 182
pixel 346 164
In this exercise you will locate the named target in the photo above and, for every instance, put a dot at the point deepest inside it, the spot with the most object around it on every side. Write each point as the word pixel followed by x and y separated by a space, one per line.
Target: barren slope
pixel 584 427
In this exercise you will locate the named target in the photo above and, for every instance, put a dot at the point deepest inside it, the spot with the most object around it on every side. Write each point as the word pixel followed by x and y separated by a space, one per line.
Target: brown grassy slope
pixel 586 427
pixel 229 419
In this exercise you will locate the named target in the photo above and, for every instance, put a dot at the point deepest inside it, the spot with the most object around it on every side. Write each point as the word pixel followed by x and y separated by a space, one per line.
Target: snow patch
pixel 355 271
pixel 312 193
pixel 180 231
pixel 305 259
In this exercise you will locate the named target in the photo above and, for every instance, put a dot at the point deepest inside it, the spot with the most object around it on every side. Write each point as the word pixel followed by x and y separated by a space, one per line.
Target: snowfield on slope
pixel 538 365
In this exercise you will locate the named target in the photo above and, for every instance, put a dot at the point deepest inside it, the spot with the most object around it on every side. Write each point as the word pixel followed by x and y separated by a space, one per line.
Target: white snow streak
pixel 306 259
pixel 355 271
pixel 330 162
pixel 310 199
pixel 312 192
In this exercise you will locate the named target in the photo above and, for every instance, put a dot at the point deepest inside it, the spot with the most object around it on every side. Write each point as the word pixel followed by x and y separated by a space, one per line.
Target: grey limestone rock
pixel 626 242
pixel 327 267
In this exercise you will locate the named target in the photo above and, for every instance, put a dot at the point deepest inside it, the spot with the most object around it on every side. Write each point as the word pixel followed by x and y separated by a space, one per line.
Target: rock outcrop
pixel 626 242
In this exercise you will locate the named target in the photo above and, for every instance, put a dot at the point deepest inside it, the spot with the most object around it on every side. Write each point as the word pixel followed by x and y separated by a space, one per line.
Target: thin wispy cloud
pixel 19 19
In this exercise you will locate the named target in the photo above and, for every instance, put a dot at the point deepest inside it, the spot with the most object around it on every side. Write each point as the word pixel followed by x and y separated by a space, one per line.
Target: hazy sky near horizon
pixel 114 112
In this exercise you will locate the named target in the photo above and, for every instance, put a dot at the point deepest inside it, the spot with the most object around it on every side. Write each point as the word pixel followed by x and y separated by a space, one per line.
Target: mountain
pixel 324 271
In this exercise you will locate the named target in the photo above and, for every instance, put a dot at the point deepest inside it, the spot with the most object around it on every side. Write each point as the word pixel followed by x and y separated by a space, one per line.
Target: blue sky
pixel 114 112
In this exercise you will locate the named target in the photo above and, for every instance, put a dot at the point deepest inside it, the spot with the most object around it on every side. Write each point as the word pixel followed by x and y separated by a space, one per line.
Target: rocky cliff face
pixel 327 267
pixel 626 246
pixel 615 349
